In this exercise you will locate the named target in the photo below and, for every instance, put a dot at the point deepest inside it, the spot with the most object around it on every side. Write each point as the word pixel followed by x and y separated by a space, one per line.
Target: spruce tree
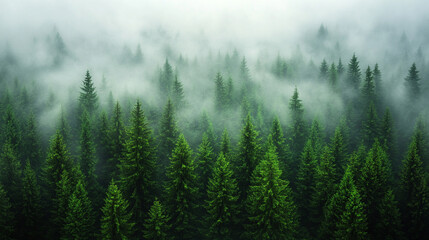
pixel 222 194
pixel 31 144
pixel 388 140
pixel 422 141
pixel 353 73
pixel 316 137
pixel 178 93
pixel 181 191
pixel 225 145
pixel 324 71
pixel 103 151
pixel 272 212
pixel 88 99
pixel 10 176
pixel 338 151
pixel 282 148
pixel 6 216
pixel 11 131
pixel 31 204
pixel 79 220
pixel 116 219
pixel 333 77
pixel 156 225
pixel 414 195
pixel 376 74
pixel 219 92
pixel 204 164
pixel 368 89
pixel 138 167
pixel 370 129
pixel 340 68
pixel 117 142
pixel 63 191
pixel 166 79
pixel 412 83
pixel 167 139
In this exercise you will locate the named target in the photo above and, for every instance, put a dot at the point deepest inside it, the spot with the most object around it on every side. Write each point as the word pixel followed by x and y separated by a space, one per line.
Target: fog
pixel 53 43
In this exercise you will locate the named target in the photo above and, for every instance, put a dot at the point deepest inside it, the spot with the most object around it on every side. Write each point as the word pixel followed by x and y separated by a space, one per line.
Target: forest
pixel 323 140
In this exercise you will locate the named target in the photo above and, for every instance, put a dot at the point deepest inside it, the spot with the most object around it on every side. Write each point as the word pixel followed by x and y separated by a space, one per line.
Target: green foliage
pixel 370 126
pixel 324 71
pixel 338 150
pixel 167 137
pixel 333 77
pixel 220 92
pixel 282 148
pixel 225 145
pixel 166 79
pixel 88 99
pixel 414 194
pixel 31 144
pixel 181 191
pixel 138 167
pixel 79 220
pixel 156 225
pixel 10 175
pixel 272 212
pixel 117 144
pixel 388 139
pixel 222 194
pixel 11 131
pixel 63 191
pixel 204 164
pixel 178 94
pixel 6 216
pixel 116 220
pixel 340 68
pixel 412 83
pixel 31 207
pixel 368 89
pixel 353 73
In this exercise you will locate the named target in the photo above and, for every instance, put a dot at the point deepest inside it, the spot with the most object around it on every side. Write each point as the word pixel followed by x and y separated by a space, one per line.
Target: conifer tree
pixel 353 73
pixel 138 167
pixel 368 89
pixel 31 207
pixel 412 83
pixel 306 184
pixel 166 78
pixel 376 74
pixel 207 128
pixel 181 191
pixel 225 145
pixel 178 93
pixel 156 225
pixel 31 144
pixel 117 144
pixel 298 131
pixel 103 151
pixel 415 195
pixel 222 194
pixel 63 191
pixel 6 216
pixel 388 139
pixel 11 131
pixel 167 138
pixel 10 176
pixel 422 141
pixel 316 137
pixel 282 148
pixel 333 77
pixel 272 212
pixel 64 129
pixel 248 156
pixel 79 221
pixel 324 71
pixel 204 164
pixel 370 126
pixel 88 98
pixel 340 68
pixel 116 219
pixel 338 151
pixel 219 92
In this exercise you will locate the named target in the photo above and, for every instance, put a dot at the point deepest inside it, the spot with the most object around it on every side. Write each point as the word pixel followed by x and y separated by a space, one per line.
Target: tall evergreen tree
pixel 117 144
pixel 156 225
pixel 340 68
pixel 116 220
pixel 353 73
pixel 324 71
pixel 10 176
pixel 6 216
pixel 103 151
pixel 88 98
pixel 138 167
pixel 31 207
pixel 282 148
pixel 178 93
pixel 182 191
pixel 376 74
pixel 368 89
pixel 167 138
pixel 412 83
pixel 415 195
pixel 272 212
pixel 388 140
pixel 222 194
pixel 79 220
pixel 31 144
pixel 219 92
pixel 316 137
pixel 338 151
pixel 333 77
pixel 204 164
pixel 225 145
pixel 166 78
pixel 422 141
pixel 11 131
pixel 370 126
pixel 63 191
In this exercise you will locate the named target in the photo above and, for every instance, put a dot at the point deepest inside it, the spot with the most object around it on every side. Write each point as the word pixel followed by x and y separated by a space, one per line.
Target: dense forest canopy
pixel 281 121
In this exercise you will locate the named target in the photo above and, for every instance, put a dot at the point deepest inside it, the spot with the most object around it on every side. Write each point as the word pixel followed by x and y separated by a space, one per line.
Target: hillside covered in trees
pixel 322 140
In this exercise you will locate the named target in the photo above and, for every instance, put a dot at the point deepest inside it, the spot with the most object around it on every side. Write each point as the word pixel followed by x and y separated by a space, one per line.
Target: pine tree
pixel 31 144
pixel 282 149
pixel 79 221
pixel 138 167
pixel 204 164
pixel 272 212
pixel 324 71
pixel 116 220
pixel 6 216
pixel 103 151
pixel 340 68
pixel 344 213
pixel 306 184
pixel 388 139
pixel 167 138
pixel 412 83
pixel 156 225
pixel 117 144
pixel 368 89
pixel 10 176
pixel 316 137
pixel 333 77
pixel 88 98
pixel 181 191
pixel 225 145
pixel 422 141
pixel 166 79
pixel 338 151
pixel 178 93
pixel 222 200
pixel 415 195
pixel 11 131
pixel 248 156
pixel 370 126
pixel 376 74
pixel 298 131
pixel 219 92
pixel 64 129
pixel 353 73
pixel 31 208
pixel 63 191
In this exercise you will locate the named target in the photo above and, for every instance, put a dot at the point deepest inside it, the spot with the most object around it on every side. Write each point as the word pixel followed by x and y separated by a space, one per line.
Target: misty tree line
pixel 136 170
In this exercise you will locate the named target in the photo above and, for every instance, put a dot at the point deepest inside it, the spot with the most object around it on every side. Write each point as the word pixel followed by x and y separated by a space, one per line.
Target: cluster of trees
pixel 115 174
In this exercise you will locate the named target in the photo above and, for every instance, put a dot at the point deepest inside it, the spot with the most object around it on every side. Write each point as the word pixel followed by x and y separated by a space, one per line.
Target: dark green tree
pixel 282 148
pixel 340 68
pixel 6 216
pixel 156 225
pixel 324 71
pixel 103 151
pixel 31 204
pixel 178 93
pixel 182 191
pixel 376 74
pixel 222 194
pixel 368 89
pixel 225 145
pixel 31 144
pixel 88 99
pixel 388 140
pixel 167 138
pixel 10 176
pixel 166 79
pixel 412 83
pixel 353 73
pixel 272 212
pixel 117 142
pixel 422 141
pixel 370 128
pixel 414 195
pixel 138 167
pixel 333 77
pixel 79 221
pixel 316 138
pixel 63 191
pixel 116 219
pixel 338 151
pixel 11 131
pixel 204 164
pixel 219 92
